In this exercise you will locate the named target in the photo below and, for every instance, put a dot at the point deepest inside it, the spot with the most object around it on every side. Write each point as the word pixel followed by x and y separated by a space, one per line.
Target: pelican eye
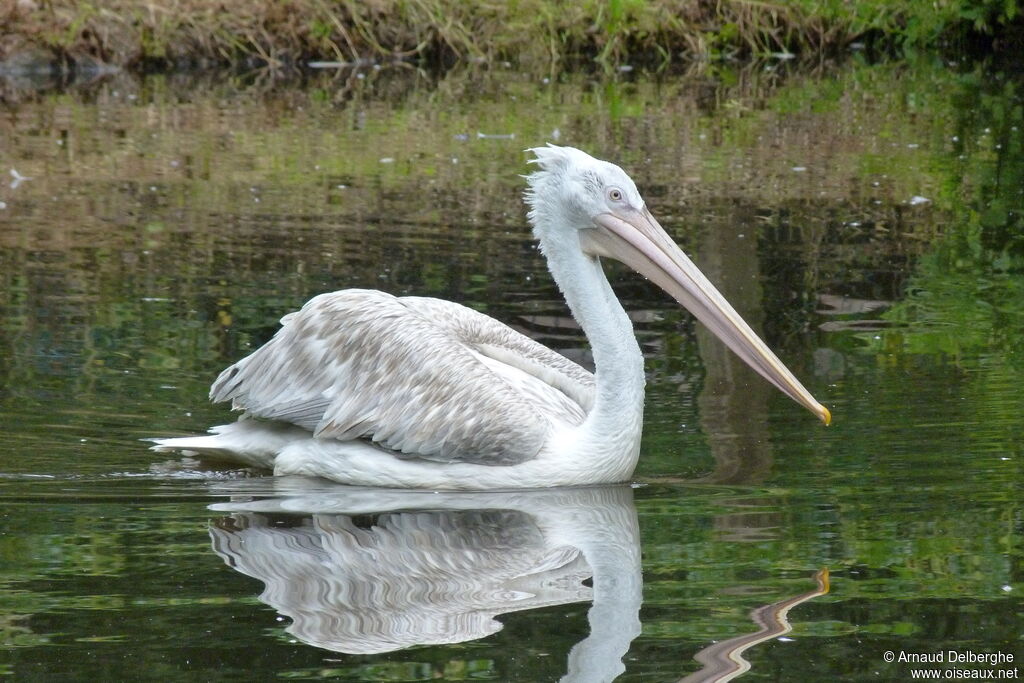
pixel 615 194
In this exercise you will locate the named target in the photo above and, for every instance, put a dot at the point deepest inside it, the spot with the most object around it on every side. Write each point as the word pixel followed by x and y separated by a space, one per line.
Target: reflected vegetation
pixel 865 217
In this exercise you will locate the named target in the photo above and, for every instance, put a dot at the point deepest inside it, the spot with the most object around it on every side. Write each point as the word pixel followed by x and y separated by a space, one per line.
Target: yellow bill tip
pixel 825 416
pixel 823 580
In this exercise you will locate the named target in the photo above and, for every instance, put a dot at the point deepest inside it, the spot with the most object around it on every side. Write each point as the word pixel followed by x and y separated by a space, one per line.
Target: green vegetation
pixel 918 23
pixel 197 32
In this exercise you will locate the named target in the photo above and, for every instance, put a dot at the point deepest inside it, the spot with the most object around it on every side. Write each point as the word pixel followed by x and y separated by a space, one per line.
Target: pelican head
pixel 593 206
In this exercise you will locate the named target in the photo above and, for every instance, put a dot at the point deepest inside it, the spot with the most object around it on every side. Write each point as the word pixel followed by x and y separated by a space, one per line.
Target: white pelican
pixel 362 387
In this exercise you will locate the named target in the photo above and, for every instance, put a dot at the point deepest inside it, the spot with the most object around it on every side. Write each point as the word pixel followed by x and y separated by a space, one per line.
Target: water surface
pixel 866 218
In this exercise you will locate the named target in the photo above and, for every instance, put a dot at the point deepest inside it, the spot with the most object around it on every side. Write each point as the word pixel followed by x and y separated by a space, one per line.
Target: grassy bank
pixel 176 33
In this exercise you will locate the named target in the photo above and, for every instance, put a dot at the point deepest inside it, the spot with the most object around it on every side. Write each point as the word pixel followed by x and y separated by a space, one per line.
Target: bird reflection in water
pixel 367 571
pixel 724 661
pixel 437 568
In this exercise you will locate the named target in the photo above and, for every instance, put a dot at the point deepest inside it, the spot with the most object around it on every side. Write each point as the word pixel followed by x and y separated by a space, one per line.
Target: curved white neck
pixel 614 424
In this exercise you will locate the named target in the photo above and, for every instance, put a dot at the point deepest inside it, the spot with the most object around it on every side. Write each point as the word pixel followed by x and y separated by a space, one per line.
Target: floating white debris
pixel 625 68
pixel 495 136
pixel 3 205
pixel 18 178
pixel 387 160
pixel 1007 588
pixel 913 145
pixel 917 200
pixel 784 639
pixel 799 169
pixel 783 55
pixel 328 65
pixel 556 134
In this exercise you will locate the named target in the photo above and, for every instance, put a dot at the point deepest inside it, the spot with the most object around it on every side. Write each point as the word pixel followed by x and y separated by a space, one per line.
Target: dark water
pixel 866 218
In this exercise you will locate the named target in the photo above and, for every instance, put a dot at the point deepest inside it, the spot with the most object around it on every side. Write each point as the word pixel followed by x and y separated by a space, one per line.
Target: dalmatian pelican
pixel 362 387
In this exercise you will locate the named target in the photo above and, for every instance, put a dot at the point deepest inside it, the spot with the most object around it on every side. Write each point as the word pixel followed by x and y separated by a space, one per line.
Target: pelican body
pixel 365 388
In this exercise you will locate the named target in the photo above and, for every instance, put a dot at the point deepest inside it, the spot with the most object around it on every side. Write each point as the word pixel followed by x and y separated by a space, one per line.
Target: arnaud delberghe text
pixel 956 657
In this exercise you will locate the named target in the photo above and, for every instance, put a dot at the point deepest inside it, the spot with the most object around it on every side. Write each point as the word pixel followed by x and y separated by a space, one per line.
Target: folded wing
pixel 424 377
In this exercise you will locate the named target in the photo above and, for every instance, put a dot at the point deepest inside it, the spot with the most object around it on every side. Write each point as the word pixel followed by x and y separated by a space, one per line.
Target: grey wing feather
pixel 422 376
pixel 501 343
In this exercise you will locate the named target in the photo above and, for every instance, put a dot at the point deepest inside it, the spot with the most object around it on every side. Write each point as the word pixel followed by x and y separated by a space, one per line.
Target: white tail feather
pixel 249 442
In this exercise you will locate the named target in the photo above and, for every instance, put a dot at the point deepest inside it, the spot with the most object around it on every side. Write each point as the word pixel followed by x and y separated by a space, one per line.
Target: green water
pixel 866 218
